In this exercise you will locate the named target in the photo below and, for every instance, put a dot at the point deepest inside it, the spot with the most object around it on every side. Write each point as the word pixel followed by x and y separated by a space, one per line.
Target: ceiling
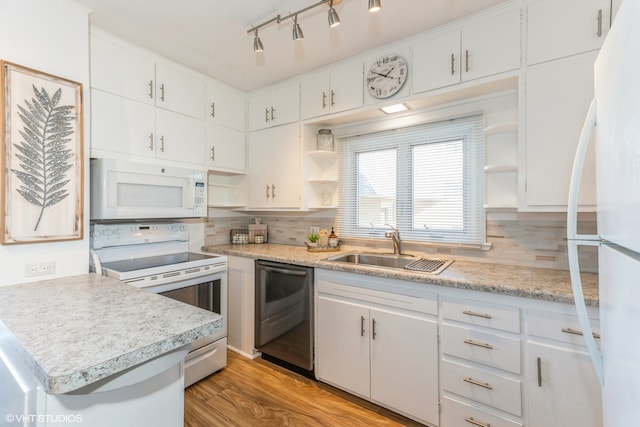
pixel 211 37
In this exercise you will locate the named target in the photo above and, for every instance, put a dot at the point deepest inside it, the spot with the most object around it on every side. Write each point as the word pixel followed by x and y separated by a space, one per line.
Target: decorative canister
pixel 324 140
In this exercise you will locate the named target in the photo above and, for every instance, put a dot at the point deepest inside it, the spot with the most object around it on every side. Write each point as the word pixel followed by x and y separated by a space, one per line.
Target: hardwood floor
pixel 259 393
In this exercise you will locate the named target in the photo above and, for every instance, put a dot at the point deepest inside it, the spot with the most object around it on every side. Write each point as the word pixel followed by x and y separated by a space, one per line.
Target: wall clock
pixel 386 76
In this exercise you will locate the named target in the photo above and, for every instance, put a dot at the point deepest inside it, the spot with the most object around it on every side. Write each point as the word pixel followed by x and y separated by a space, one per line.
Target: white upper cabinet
pixel 276 107
pixel 125 70
pixel 225 149
pixel 179 138
pixel 332 92
pixel 557 98
pixel 179 90
pixel 489 46
pixel 224 105
pixel 556 29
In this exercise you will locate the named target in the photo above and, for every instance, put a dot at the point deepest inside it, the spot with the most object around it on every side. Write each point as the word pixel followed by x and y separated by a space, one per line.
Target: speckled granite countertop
pixel 76 330
pixel 528 282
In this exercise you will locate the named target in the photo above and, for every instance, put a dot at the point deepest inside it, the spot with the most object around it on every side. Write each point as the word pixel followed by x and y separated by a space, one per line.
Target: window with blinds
pixel 425 180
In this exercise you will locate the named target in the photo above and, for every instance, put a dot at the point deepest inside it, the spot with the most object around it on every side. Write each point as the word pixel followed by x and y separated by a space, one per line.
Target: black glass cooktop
pixel 179 260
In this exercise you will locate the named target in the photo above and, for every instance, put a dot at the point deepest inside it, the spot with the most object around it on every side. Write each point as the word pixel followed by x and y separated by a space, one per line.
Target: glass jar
pixel 324 140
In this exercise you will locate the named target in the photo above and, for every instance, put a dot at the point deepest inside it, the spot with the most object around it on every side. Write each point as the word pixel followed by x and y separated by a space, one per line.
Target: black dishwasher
pixel 284 315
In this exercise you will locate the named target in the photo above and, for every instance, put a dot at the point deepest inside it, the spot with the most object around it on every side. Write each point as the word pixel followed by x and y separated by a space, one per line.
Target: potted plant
pixel 313 239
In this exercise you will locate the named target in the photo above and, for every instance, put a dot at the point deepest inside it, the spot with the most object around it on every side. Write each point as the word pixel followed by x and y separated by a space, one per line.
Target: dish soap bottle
pixel 333 239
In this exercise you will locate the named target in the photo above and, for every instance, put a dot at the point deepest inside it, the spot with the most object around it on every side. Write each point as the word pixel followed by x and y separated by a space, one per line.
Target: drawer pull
pixel 539 363
pixel 470 420
pixel 473 313
pixel 479 344
pixel 576 332
pixel 478 383
pixel 361 326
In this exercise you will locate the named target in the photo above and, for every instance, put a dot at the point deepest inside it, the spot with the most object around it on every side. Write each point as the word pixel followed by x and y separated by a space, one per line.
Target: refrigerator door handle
pixel 575 240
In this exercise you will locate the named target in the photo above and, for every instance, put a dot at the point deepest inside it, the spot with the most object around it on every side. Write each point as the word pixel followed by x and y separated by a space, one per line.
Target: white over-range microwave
pixel 129 190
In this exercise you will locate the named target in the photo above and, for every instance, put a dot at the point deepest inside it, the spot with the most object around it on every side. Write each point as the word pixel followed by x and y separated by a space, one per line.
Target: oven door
pixel 206 292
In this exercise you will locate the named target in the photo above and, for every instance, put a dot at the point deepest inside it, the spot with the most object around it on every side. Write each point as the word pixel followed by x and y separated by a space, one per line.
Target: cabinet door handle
pixel 466 60
pixel 473 313
pixel 324 100
pixel 599 22
pixel 273 191
pixel 479 344
pixel 333 96
pixel 373 329
pixel 576 332
pixel 453 61
pixel 150 141
pixel 470 420
pixel 151 89
pixel 162 92
pixel 213 109
pixel 213 153
pixel 266 114
pixel 361 326
pixel 478 383
pixel 273 116
pixel 162 143
pixel 268 191
pixel 539 363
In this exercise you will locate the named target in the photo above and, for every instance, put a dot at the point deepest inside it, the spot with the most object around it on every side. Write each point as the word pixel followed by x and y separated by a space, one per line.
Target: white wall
pixel 50 36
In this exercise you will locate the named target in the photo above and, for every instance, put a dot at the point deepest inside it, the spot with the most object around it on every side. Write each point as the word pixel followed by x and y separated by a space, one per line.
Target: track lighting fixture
pixel 334 20
pixel 297 31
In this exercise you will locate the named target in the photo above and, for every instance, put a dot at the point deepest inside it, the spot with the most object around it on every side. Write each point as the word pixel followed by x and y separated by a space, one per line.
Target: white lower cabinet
pixel 459 414
pixel 563 388
pixel 382 353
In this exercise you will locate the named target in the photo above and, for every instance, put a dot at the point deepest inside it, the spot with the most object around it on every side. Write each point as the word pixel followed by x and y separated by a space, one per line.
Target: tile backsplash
pixel 529 239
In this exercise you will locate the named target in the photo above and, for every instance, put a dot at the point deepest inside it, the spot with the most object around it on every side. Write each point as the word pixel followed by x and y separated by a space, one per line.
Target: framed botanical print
pixel 42 156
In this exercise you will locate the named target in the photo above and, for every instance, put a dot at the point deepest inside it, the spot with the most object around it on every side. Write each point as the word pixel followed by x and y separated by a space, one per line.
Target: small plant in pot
pixel 313 239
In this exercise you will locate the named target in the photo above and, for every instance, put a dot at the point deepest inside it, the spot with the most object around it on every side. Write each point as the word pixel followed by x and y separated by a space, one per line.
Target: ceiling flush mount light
pixel 257 43
pixel 395 108
pixel 297 31
pixel 333 17
pixel 374 5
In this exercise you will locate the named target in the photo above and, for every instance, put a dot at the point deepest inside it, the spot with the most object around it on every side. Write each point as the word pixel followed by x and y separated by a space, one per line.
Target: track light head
pixel 375 5
pixel 297 31
pixel 334 19
pixel 257 43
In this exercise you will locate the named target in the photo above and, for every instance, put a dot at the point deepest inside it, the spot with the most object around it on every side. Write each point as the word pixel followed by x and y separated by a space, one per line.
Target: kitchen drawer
pixel 496 316
pixel 494 390
pixel 458 414
pixel 559 327
pixel 482 347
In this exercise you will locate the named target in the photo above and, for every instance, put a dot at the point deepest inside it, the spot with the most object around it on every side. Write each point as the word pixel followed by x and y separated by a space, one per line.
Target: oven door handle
pixel 283 271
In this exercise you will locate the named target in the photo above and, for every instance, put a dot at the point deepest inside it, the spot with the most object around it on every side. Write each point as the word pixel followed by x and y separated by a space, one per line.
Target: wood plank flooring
pixel 259 393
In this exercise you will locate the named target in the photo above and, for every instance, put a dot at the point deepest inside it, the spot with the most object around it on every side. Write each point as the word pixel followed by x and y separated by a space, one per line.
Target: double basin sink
pixel 399 262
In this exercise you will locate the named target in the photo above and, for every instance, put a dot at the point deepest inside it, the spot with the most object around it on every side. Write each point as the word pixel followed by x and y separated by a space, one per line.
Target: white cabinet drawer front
pixel 427 303
pixel 481 347
pixel 458 414
pixel 496 316
pixel 493 390
pixel 559 327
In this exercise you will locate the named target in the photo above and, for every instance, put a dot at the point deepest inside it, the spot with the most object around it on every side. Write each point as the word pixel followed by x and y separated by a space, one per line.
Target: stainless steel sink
pixel 402 262
pixel 376 260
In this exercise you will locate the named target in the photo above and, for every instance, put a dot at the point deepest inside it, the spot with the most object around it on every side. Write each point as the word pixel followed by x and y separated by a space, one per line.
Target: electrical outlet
pixel 40 268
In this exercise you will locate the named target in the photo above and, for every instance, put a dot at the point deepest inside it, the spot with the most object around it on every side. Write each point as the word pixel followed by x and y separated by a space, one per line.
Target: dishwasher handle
pixel 280 270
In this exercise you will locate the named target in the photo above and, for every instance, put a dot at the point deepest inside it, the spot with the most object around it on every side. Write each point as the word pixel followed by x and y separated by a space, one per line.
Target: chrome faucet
pixel 395 237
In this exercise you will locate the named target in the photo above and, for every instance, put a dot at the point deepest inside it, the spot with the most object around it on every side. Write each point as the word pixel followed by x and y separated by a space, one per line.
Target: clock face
pixel 386 76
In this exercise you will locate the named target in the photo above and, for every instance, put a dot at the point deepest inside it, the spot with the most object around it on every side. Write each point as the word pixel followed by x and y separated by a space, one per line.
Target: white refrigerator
pixel 614 121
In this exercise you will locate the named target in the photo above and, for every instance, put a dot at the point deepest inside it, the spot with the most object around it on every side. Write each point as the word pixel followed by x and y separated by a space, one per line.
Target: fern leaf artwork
pixel 44 153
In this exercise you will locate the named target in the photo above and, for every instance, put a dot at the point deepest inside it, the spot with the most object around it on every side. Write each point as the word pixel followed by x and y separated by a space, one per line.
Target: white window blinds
pixel 426 180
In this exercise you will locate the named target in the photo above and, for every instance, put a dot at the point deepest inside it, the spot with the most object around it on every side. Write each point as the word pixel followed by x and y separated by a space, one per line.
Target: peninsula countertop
pixel 74 331
pixel 528 282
